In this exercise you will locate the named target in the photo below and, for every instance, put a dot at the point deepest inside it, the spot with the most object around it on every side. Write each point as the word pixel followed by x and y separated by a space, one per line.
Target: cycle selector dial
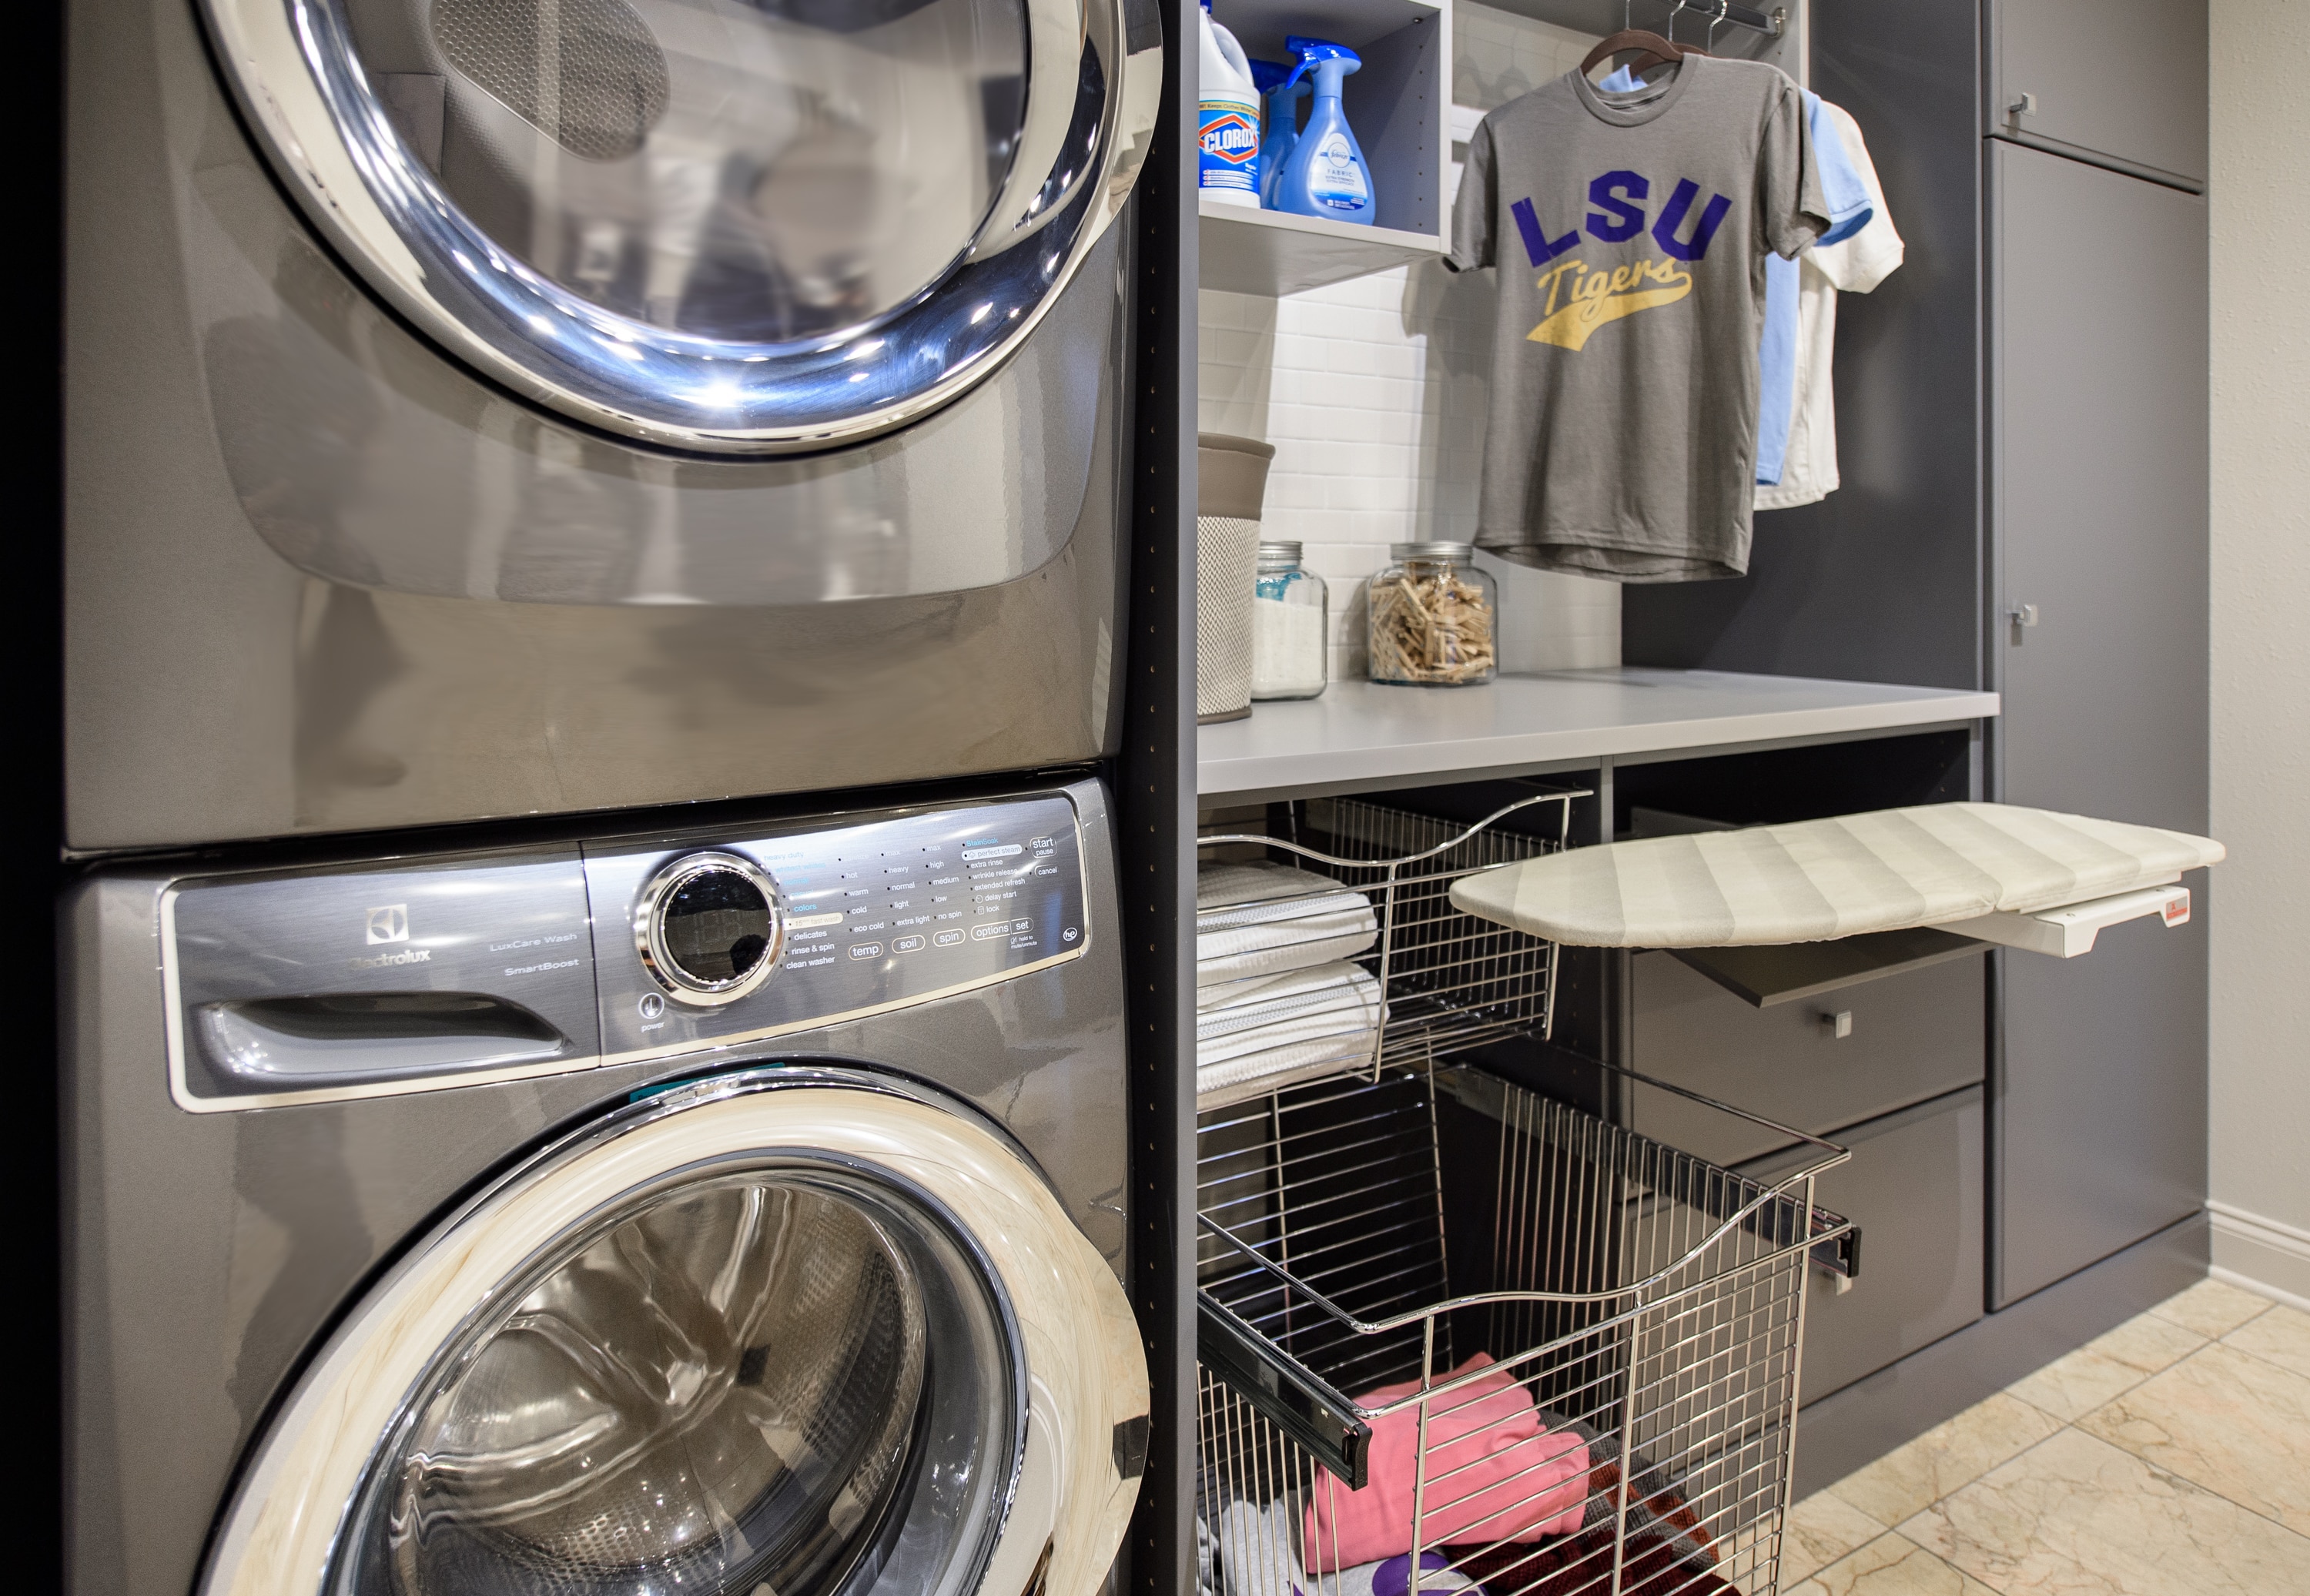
pixel 712 927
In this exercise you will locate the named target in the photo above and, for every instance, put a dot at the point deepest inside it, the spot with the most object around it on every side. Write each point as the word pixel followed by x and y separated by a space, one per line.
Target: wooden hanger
pixel 1660 50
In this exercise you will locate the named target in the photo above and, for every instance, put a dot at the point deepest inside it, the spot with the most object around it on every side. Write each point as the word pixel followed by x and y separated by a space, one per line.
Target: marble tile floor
pixel 2170 1457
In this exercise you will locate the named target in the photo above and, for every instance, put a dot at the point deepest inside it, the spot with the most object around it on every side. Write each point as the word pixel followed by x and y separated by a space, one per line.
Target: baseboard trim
pixel 2259 1254
pixel 1851 1428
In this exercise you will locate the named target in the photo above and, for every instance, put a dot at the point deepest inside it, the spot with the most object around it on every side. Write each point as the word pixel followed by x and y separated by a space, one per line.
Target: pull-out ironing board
pixel 2026 878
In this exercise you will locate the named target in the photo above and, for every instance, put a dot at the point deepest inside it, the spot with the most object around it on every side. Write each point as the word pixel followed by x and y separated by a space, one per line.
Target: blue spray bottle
pixel 1325 175
pixel 1283 95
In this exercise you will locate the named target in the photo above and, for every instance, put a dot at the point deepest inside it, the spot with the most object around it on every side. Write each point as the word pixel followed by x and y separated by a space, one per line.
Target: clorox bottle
pixel 1326 174
pixel 1283 94
pixel 1230 139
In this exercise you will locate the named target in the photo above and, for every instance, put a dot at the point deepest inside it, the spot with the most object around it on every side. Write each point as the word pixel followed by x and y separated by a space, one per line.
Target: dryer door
pixel 786 1329
pixel 731 225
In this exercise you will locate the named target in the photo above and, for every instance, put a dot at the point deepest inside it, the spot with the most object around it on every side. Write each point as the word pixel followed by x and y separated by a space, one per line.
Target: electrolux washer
pixel 703 1210
pixel 488 407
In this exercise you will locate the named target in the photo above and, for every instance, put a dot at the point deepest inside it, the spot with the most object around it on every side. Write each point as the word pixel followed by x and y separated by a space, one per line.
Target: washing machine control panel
pixel 316 985
pixel 742 935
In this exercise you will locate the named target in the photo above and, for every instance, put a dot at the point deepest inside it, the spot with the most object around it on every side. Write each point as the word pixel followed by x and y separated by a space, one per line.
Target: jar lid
pixel 1462 554
pixel 1280 550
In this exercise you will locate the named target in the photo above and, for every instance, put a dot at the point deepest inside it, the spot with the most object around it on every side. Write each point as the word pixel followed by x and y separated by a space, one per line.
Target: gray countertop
pixel 1361 737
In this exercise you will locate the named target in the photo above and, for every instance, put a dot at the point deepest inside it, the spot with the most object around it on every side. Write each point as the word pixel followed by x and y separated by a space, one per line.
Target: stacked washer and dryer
pixel 493 424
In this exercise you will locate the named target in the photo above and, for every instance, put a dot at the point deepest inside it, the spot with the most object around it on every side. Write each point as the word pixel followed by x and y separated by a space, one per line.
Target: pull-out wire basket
pixel 1448 1323
pixel 1336 949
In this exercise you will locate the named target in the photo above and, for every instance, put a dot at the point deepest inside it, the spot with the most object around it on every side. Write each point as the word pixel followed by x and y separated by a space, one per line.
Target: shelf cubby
pixel 1396 104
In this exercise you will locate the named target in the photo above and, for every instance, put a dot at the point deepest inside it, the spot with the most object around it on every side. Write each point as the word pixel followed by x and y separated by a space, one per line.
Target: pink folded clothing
pixel 1493 1474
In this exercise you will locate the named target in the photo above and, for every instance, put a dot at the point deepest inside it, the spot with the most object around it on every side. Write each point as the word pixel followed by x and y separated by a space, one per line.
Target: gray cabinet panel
pixel 2119 77
pixel 2102 1116
pixel 1882 580
pixel 1913 1187
pixel 1914 1036
pixel 2098 355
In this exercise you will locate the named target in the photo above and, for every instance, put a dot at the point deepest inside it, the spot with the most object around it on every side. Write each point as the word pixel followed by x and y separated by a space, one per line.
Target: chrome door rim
pixel 293 70
pixel 285 1529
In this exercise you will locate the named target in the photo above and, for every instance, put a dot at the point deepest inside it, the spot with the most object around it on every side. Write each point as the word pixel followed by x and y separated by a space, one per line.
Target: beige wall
pixel 2260 901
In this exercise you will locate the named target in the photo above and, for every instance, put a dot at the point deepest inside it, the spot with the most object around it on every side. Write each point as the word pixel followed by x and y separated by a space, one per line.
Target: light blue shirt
pixel 1849 211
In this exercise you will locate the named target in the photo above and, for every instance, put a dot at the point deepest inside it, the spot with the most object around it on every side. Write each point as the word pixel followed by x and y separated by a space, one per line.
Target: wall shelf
pixel 1243 251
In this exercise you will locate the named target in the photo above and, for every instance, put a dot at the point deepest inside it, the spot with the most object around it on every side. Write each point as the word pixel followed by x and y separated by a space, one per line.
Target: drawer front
pixel 1913 1036
pixel 1914 1188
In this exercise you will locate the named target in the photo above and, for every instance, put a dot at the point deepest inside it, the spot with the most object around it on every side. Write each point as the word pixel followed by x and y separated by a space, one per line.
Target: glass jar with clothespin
pixel 1432 618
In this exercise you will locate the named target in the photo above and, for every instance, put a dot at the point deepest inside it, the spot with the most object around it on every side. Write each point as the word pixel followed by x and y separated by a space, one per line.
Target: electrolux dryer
pixel 482 407
pixel 719 1213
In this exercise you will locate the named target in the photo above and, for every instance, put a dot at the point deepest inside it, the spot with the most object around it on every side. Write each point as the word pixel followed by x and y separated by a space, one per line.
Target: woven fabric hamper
pixel 1231 482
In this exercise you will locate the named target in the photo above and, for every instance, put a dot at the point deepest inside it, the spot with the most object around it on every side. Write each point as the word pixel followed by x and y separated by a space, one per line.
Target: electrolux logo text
pixel 384 960
pixel 390 923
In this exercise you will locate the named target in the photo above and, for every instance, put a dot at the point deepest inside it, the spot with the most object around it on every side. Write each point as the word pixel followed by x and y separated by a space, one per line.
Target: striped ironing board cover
pixel 1816 881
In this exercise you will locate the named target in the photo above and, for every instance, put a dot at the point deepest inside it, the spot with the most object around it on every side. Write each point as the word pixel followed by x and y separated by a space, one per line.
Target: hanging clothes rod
pixel 1774 22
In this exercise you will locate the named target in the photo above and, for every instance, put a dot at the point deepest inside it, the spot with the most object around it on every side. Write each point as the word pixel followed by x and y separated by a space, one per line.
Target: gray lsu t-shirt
pixel 1630 231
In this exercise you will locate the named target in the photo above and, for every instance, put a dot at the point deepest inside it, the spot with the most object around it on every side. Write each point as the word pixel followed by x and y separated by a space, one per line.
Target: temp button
pixel 866 951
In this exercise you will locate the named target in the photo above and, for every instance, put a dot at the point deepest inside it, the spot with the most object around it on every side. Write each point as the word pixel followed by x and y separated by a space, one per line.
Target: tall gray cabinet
pixel 2022 433
pixel 2097 516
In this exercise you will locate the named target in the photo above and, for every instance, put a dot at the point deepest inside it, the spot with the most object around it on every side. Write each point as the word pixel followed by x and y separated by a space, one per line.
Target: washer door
pixel 785 1329
pixel 731 225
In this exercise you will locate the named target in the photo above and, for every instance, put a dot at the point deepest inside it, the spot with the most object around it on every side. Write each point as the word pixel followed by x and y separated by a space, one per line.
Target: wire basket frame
pixel 1576 1349
pixel 1442 981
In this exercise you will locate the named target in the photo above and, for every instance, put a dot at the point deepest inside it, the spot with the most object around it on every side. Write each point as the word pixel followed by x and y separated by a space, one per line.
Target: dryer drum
pixel 741 226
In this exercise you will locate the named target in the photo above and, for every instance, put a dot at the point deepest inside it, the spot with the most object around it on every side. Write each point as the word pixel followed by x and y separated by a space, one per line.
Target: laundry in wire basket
pixel 1492 1471
pixel 1256 1552
pixel 1265 919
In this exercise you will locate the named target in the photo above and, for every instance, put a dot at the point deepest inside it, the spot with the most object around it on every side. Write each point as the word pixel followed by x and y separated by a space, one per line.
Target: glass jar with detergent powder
pixel 1290 608
pixel 1432 617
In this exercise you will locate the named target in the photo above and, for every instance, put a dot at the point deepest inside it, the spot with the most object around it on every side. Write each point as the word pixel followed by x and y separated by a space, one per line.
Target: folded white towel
pixel 1256 1035
pixel 1240 1017
pixel 1264 919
